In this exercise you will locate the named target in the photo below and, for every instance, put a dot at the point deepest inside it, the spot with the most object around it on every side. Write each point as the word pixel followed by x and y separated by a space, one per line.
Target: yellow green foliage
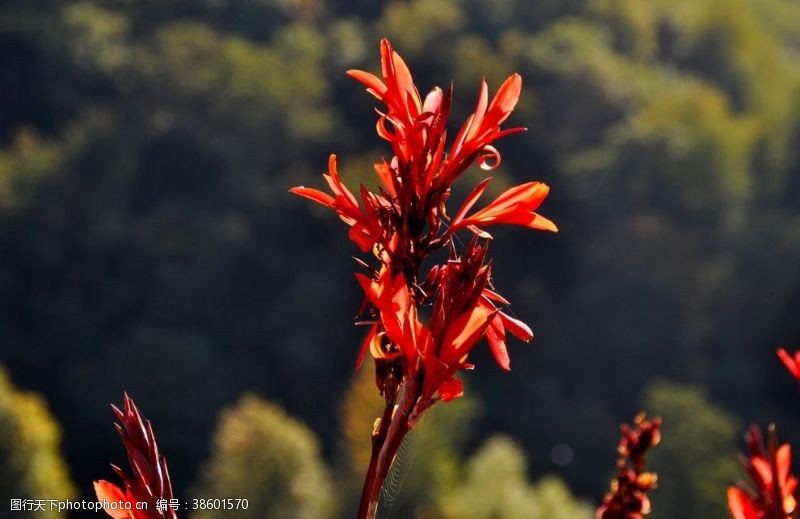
pixel 31 466
pixel 495 485
pixel 696 459
pixel 261 454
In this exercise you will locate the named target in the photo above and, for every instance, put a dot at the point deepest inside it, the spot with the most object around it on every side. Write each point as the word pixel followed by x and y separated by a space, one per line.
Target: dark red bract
pixel 628 496
pixel 149 482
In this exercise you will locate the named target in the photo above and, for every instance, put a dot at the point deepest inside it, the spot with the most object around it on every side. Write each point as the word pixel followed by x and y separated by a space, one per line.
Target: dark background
pixel 148 241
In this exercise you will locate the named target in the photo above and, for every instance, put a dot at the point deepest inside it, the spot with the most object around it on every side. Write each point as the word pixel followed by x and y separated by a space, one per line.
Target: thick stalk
pixel 386 441
pixel 368 505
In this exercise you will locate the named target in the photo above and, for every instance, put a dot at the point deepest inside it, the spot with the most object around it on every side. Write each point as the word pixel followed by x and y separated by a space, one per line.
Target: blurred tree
pixel 495 485
pixel 31 466
pixel 696 460
pixel 148 240
pixel 261 454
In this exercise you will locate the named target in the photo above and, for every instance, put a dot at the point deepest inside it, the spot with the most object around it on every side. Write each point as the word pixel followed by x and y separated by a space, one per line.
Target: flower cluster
pixel 148 493
pixel 628 496
pixel 774 487
pixel 423 324
pixel 405 222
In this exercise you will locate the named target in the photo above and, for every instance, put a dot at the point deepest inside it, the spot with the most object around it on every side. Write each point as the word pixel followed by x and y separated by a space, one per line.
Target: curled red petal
pixel 490 158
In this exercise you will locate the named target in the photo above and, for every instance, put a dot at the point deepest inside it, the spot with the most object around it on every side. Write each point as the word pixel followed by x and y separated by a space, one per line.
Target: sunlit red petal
pixel 530 220
pixel 112 493
pixel 450 389
pixel 361 237
pixel 505 100
pixel 740 505
pixel 374 85
pixel 762 470
pixel 470 200
pixel 790 362
pixel 464 332
pixel 313 194
pixel 517 328
pixel 783 462
pixel 496 338
pixel 490 158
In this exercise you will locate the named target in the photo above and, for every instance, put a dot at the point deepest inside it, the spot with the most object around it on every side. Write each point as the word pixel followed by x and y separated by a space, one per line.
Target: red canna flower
pixel 148 493
pixel 424 324
pixel 628 496
pixel 792 362
pixel 773 495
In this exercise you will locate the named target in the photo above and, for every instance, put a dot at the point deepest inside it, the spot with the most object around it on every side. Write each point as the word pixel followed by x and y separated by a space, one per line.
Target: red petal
pixel 490 159
pixel 470 201
pixel 741 505
pixel 480 110
pixel 496 338
pixel 505 100
pixel 530 220
pixel 762 470
pixel 783 462
pixel 464 332
pixel 112 493
pixel 313 194
pixel 494 296
pixel 790 362
pixel 335 181
pixel 450 389
pixel 360 237
pixel 374 85
pixel 370 288
pixel 517 328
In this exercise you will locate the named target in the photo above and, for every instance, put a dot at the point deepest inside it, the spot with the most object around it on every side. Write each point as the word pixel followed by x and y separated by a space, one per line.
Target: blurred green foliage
pixel 696 460
pixel 495 485
pixel 262 455
pixel 149 242
pixel 31 464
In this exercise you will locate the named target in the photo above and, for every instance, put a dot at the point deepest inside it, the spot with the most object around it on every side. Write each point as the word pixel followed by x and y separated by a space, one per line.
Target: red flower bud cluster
pixel 425 318
pixel 774 487
pixel 628 496
pixel 405 222
pixel 148 493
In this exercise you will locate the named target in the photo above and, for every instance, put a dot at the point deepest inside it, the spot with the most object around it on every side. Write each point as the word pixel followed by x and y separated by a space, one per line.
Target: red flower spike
pixel 792 362
pixel 773 495
pixel 149 488
pixel 516 206
pixel 628 496
pixel 404 222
